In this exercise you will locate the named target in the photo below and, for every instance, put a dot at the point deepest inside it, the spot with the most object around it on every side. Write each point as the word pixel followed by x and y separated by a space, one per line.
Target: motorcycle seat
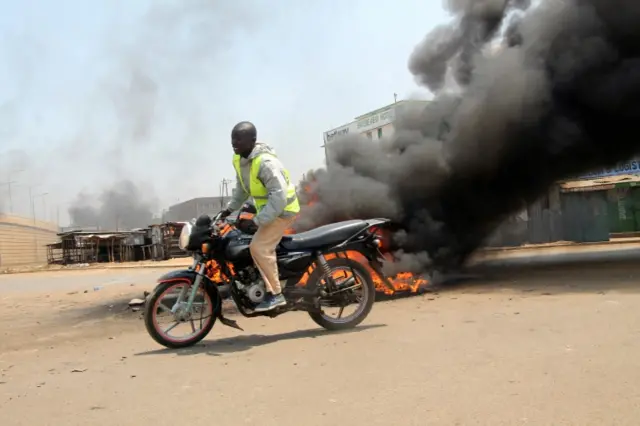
pixel 324 235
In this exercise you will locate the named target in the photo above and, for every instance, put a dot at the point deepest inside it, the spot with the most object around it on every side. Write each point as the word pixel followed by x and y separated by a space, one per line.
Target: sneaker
pixel 271 302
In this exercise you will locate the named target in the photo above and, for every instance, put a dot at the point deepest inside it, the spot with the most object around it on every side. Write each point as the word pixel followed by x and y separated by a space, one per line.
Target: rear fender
pixel 362 240
pixel 378 222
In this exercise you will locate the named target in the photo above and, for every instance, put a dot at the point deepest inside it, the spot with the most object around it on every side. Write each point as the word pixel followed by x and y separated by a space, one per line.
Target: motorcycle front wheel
pixel 360 294
pixel 165 302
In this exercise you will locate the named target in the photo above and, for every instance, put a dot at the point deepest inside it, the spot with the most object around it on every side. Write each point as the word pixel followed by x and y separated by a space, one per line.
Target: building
pixel 593 207
pixel 191 209
pixel 616 190
pixel 375 124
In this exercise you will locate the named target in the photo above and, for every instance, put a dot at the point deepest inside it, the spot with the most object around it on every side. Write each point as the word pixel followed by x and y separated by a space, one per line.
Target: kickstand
pixel 230 323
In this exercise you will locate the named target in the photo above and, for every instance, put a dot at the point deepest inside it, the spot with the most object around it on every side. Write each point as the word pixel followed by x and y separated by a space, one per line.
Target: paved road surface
pixel 547 346
pixel 75 280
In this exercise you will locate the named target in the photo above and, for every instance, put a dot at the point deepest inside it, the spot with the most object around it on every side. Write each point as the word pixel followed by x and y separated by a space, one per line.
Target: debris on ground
pixel 136 304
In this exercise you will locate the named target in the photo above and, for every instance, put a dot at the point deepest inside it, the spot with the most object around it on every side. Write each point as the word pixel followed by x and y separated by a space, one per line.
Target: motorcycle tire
pixel 159 338
pixel 359 269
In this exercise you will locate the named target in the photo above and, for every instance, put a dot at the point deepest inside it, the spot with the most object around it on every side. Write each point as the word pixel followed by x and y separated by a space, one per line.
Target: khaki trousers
pixel 263 251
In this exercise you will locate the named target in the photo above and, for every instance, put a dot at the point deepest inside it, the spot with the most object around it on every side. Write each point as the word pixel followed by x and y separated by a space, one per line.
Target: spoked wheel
pixel 351 305
pixel 168 321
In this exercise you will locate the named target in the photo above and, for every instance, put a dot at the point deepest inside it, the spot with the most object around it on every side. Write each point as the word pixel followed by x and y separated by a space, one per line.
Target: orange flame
pixel 214 273
pixel 402 282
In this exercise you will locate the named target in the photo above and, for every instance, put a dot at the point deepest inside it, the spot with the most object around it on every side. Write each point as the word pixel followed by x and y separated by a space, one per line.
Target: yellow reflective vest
pixel 258 191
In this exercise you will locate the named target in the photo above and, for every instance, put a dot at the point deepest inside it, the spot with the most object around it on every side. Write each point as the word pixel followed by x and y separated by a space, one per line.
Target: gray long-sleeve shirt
pixel 271 174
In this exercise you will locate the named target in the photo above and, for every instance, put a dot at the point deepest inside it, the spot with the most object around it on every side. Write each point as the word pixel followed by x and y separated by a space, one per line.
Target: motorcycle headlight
pixel 185 235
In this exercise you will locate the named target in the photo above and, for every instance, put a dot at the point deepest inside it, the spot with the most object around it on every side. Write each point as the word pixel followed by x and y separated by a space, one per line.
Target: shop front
pixel 620 194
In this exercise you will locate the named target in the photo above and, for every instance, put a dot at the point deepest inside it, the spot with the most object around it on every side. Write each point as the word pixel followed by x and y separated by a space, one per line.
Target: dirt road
pixel 541 347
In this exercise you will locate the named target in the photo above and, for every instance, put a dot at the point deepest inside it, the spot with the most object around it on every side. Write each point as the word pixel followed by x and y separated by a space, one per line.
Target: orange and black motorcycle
pixel 317 273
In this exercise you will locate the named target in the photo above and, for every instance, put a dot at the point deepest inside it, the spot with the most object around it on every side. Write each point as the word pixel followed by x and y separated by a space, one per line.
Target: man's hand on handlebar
pixel 225 213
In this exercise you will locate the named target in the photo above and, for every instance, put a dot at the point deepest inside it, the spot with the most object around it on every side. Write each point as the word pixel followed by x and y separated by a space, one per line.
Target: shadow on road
pixel 242 343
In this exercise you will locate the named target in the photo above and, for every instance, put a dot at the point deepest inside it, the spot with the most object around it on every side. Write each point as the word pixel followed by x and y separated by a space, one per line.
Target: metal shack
pixel 95 247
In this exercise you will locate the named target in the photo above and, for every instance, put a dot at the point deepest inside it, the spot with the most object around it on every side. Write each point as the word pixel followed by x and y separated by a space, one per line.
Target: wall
pixel 573 216
pixel 23 242
pixel 585 216
pixel 386 130
pixel 624 209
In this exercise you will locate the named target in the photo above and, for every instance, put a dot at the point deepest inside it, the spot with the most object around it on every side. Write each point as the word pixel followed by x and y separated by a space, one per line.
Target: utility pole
pixel 10 197
pixel 33 210
pixel 224 191
pixel 32 204
pixel 8 183
pixel 44 208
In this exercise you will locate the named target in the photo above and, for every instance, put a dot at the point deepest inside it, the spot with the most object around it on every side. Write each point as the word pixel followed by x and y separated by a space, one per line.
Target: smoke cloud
pixel 152 90
pixel 121 207
pixel 525 94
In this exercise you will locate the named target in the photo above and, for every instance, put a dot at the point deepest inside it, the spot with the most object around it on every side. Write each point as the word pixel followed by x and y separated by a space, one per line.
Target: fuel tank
pixel 237 247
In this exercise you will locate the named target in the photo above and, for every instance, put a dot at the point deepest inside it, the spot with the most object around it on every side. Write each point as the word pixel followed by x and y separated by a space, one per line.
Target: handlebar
pixel 218 222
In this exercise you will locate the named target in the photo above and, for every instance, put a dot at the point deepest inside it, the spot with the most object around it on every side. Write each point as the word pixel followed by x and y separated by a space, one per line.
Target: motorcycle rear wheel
pixel 368 287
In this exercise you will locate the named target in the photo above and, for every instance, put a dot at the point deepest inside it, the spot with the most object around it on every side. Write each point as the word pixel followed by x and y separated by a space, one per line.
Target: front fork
pixel 194 289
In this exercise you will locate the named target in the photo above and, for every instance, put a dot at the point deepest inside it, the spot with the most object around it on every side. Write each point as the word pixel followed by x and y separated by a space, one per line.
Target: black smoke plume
pixel 122 207
pixel 560 95
pixel 149 105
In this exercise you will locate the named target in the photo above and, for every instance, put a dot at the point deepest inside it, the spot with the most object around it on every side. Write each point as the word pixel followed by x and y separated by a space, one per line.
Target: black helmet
pixel 244 130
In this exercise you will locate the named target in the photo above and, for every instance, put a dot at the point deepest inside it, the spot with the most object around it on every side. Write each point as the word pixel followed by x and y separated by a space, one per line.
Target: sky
pixel 95 92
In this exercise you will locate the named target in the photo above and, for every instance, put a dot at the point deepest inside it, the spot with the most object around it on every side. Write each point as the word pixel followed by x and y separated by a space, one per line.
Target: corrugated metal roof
pixel 103 236
pixel 106 234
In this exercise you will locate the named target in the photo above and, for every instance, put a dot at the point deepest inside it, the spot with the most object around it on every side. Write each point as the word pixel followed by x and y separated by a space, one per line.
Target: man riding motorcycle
pixel 260 175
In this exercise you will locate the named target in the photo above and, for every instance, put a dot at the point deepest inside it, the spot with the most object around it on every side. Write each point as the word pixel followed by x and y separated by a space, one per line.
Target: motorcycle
pixel 316 273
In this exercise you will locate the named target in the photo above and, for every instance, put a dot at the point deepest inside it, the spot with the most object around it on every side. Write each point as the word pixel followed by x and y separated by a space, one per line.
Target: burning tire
pixel 345 298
